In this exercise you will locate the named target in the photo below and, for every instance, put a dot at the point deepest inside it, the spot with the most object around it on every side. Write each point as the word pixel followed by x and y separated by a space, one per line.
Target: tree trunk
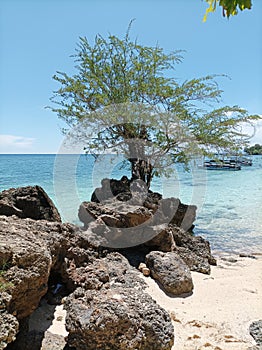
pixel 141 170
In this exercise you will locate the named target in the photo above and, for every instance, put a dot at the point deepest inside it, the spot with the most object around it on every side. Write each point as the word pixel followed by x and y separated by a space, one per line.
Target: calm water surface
pixel 229 203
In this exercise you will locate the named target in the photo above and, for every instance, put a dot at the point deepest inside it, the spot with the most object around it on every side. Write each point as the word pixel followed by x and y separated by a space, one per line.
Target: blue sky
pixel 38 37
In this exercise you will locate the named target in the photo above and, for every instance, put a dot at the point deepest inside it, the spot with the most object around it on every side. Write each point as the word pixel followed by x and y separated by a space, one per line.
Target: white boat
pixel 221 164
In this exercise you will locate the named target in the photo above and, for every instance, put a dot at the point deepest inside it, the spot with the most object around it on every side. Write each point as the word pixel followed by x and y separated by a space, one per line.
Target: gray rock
pixel 29 249
pixel 170 271
pixel 8 329
pixel 179 214
pixel 196 246
pixel 118 318
pixel 8 323
pixel 114 213
pixel 255 329
pixel 113 269
pixel 169 210
pixel 28 202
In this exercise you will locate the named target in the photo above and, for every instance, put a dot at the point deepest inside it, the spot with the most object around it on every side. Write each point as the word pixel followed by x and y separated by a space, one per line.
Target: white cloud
pixel 12 143
pixel 254 131
pixel 257 138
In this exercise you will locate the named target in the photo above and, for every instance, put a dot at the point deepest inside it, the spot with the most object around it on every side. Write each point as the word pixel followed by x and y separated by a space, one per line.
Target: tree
pixel 254 150
pixel 230 7
pixel 123 97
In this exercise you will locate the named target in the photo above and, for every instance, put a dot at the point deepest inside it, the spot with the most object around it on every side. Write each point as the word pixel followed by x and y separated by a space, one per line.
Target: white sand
pixel 218 313
pixel 49 318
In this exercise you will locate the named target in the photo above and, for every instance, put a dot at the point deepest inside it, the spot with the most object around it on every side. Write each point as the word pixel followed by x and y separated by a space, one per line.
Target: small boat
pixel 230 164
pixel 242 160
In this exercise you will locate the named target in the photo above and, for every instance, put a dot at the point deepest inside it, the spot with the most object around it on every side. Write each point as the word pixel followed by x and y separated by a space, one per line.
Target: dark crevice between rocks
pixel 135 255
pixel 57 289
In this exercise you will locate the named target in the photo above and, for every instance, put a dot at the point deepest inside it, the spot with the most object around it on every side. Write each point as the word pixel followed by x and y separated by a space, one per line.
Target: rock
pixel 52 342
pixel 170 210
pixel 179 214
pixel 194 250
pixel 117 319
pixel 111 188
pixel 163 241
pixel 170 271
pixel 8 323
pixel 91 276
pixel 8 329
pixel 195 261
pixel 141 266
pixel 146 271
pixel 244 255
pixel 119 224
pixel 255 329
pixel 27 269
pixel 114 214
pixel 29 249
pixel 118 314
pixel 108 307
pixel 101 272
pixel 28 202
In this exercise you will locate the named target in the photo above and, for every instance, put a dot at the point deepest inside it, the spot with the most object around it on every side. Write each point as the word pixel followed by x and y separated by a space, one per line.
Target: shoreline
pixel 216 316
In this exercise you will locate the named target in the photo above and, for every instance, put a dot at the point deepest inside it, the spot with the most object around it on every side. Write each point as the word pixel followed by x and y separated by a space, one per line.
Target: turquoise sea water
pixel 229 203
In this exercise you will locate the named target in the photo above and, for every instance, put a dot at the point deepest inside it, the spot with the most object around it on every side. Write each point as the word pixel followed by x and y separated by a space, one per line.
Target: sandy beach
pixel 218 313
pixel 215 317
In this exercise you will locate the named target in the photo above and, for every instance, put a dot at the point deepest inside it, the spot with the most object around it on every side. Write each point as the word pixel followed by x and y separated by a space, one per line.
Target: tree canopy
pixel 254 150
pixel 229 7
pixel 123 96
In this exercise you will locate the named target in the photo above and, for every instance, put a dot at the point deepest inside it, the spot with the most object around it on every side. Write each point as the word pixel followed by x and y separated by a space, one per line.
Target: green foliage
pixel 123 91
pixel 254 150
pixel 230 7
pixel 4 285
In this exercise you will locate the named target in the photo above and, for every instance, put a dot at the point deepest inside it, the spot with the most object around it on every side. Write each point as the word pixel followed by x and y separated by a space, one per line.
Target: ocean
pixel 229 202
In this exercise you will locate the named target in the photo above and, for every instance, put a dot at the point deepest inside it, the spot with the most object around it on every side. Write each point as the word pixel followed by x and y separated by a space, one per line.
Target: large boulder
pixel 114 214
pixel 194 250
pixel 120 316
pixel 170 271
pixel 119 224
pixel 255 329
pixel 169 210
pixel 117 319
pixel 28 202
pixel 26 264
pixel 29 249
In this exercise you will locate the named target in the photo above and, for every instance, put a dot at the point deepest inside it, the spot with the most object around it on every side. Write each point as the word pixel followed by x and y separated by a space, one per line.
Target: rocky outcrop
pixel 194 250
pixel 8 329
pixel 8 323
pixel 116 225
pixel 27 262
pixel 120 316
pixel 31 249
pixel 114 214
pixel 118 319
pixel 255 329
pixel 169 210
pixel 170 271
pixel 28 202
pixel 107 307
